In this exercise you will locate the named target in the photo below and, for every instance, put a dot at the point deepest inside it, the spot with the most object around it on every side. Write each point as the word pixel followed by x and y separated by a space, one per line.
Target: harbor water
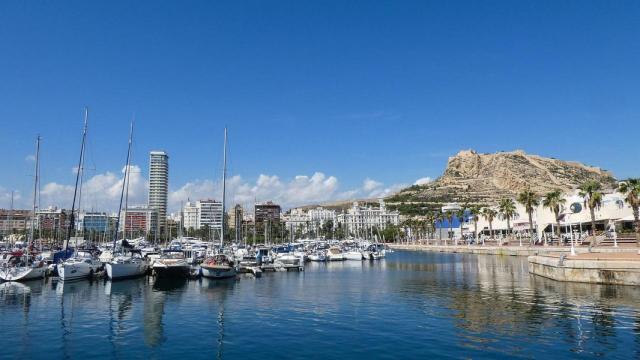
pixel 410 305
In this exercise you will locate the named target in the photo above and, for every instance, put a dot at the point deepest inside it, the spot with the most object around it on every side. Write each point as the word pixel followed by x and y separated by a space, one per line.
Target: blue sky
pixel 367 95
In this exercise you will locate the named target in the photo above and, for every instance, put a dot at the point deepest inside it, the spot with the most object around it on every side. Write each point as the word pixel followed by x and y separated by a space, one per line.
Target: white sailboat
pixel 220 266
pixel 125 265
pixel 26 267
pixel 81 265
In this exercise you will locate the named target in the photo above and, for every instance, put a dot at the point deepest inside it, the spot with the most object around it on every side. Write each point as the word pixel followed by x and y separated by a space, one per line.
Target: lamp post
pixel 573 249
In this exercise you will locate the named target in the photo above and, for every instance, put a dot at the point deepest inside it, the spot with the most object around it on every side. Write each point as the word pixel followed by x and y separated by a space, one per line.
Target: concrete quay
pixel 594 268
pixel 606 265
pixel 511 250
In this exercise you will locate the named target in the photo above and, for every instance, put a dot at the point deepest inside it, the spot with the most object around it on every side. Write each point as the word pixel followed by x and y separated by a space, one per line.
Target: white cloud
pixel 30 158
pixel 300 190
pixel 370 184
pixel 423 181
pixel 101 191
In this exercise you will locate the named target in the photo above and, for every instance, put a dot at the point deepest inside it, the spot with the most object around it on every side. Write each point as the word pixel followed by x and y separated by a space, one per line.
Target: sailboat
pixel 83 264
pixel 22 267
pixel 125 265
pixel 220 266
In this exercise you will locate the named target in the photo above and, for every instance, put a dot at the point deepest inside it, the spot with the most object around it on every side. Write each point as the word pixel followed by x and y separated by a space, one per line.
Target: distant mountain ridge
pixel 471 177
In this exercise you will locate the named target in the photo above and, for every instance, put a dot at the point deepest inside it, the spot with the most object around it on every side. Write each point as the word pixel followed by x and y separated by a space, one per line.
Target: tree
pixel 475 212
pixel 530 201
pixel 554 201
pixel 449 216
pixel 438 217
pixel 631 188
pixel 591 192
pixel 460 214
pixel 507 208
pixel 490 215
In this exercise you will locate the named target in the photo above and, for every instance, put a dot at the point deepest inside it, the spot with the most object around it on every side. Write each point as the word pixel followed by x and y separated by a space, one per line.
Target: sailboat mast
pixel 35 193
pixel 124 182
pixel 72 223
pixel 224 185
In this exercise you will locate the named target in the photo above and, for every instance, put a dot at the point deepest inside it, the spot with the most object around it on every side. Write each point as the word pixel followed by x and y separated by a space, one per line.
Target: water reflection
pixel 496 303
pixel 424 304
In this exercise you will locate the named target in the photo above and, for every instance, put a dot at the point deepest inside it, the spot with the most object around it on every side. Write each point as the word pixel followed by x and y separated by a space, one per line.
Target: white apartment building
pixel 159 186
pixel 359 218
pixel 190 216
pixel 202 212
pixel 209 213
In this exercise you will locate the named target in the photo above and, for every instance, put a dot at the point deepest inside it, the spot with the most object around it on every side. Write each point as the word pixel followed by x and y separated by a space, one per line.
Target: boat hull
pixel 353 256
pixel 23 273
pixel 181 271
pixel 218 272
pixel 117 271
pixel 76 271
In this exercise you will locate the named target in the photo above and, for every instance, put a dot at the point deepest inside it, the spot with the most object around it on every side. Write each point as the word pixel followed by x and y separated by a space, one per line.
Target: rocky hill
pixel 471 177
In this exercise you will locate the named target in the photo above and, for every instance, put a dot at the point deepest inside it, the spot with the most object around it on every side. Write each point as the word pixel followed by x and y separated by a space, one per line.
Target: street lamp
pixel 573 249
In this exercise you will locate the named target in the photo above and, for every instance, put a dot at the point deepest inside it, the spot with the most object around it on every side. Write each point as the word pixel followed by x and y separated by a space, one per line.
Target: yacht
pixel 335 254
pixel 318 256
pixel 171 264
pixel 83 265
pixel 218 267
pixel 23 268
pixel 126 266
pixel 353 254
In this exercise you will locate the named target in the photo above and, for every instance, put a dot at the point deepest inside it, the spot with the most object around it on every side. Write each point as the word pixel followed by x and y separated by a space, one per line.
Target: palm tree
pixel 428 224
pixel 438 217
pixel 449 216
pixel 554 201
pixel 507 208
pixel 631 188
pixel 529 200
pixel 489 214
pixel 460 215
pixel 591 192
pixel 475 211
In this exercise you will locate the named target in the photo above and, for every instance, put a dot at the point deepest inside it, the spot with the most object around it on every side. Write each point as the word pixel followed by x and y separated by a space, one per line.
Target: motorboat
pixel 317 256
pixel 126 266
pixel 218 267
pixel 334 253
pixel 374 252
pixel 81 266
pixel 353 254
pixel 23 268
pixel 171 264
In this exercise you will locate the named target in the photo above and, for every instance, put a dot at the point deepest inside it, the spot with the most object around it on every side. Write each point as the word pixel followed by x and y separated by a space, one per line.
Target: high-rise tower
pixel 159 186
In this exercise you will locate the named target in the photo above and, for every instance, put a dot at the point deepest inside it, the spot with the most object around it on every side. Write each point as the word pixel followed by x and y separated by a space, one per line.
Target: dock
pixel 613 268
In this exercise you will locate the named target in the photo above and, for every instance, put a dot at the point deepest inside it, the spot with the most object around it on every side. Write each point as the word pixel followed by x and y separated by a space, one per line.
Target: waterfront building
pixel 319 216
pixel 190 216
pixel 296 219
pixel 53 221
pixel 235 221
pixel 13 220
pixel 140 220
pixel 202 213
pixel 360 219
pixel 159 186
pixel 209 214
pixel 93 222
pixel 267 212
pixel 575 217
